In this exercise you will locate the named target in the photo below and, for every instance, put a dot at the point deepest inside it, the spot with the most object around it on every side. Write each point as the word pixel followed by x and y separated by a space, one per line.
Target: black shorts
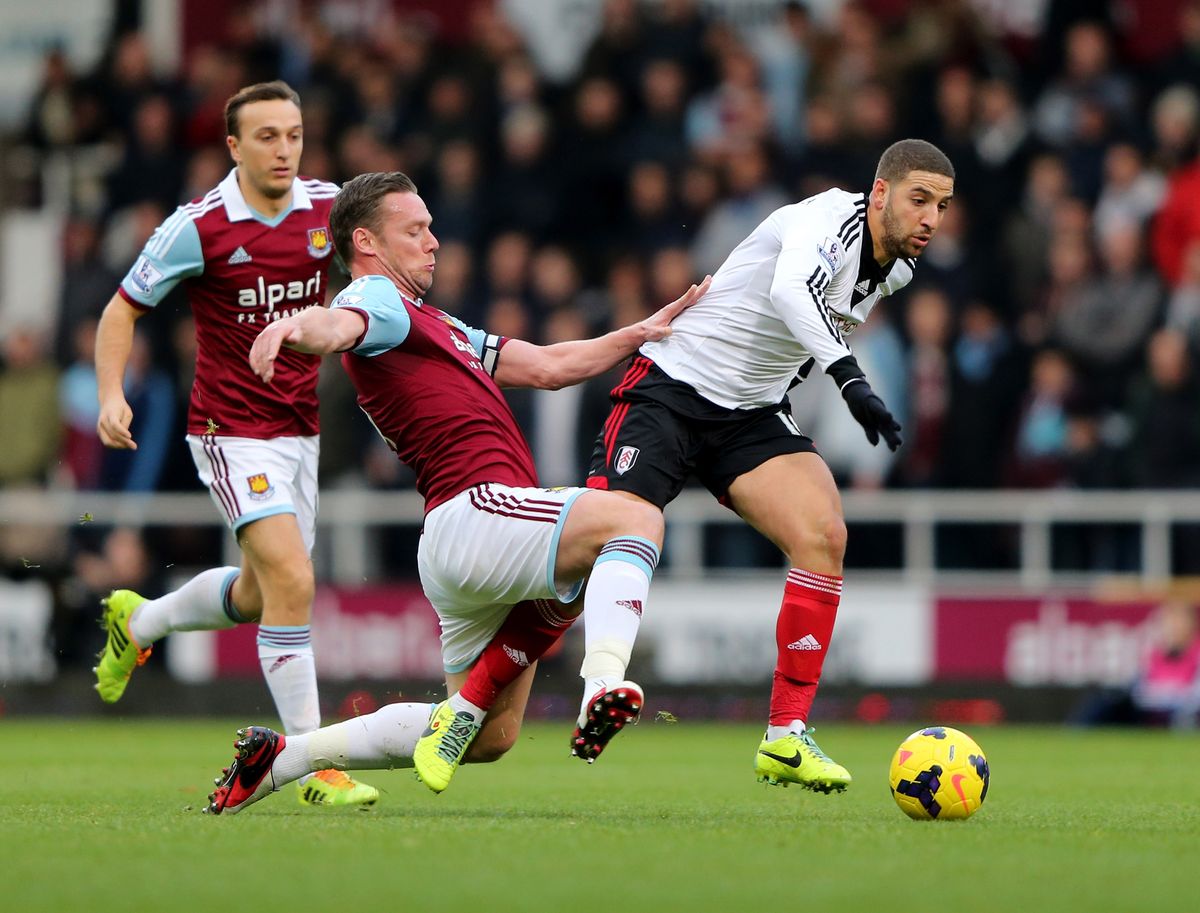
pixel 661 430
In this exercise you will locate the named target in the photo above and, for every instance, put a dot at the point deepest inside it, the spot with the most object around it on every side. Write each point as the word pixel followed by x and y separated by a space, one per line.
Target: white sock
pixel 383 739
pixel 286 655
pixel 458 704
pixel 201 604
pixel 795 727
pixel 612 612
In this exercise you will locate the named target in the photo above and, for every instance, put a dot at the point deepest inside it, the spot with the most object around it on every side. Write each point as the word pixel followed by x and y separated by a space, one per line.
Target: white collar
pixel 238 210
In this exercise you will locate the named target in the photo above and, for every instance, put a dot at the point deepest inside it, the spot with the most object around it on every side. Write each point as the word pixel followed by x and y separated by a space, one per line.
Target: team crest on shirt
pixel 626 457
pixel 831 252
pixel 144 276
pixel 260 488
pixel 318 242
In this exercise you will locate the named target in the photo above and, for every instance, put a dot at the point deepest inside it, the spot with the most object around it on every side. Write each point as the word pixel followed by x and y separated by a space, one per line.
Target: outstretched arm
pixel 523 364
pixel 317 331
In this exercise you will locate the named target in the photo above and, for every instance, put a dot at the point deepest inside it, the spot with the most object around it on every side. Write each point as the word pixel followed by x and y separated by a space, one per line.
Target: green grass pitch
pixel 105 816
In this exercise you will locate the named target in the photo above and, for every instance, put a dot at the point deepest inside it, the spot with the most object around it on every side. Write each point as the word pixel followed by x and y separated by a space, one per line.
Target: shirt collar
pixel 868 268
pixel 238 210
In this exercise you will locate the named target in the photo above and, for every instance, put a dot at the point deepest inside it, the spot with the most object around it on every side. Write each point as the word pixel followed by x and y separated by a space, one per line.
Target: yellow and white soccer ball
pixel 939 773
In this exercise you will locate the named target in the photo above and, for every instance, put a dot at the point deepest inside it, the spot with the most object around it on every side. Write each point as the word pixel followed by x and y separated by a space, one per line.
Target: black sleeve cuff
pixel 845 370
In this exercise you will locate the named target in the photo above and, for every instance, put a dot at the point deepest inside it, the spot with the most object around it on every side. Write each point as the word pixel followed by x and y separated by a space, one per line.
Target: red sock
pixel 802 633
pixel 531 628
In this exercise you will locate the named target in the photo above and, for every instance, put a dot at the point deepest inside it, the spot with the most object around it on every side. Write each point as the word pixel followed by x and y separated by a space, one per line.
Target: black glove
pixel 865 405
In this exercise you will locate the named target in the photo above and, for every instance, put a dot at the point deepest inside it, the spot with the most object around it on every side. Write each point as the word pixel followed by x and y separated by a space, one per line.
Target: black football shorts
pixel 660 431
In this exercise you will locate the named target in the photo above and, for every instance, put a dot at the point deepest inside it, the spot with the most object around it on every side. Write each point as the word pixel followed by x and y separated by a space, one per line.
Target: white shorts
pixel 485 550
pixel 250 479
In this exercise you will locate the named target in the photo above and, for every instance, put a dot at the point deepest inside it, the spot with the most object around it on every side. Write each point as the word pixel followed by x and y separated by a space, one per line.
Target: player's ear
pixel 232 143
pixel 879 192
pixel 363 241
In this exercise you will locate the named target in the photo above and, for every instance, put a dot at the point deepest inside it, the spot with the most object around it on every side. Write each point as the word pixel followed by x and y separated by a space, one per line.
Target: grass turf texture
pixel 104 816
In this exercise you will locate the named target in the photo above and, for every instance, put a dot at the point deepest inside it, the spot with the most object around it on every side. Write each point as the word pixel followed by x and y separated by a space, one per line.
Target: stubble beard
pixel 894 239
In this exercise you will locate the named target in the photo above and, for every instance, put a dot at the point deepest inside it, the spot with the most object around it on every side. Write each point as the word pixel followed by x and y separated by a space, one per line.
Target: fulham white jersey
pixel 794 289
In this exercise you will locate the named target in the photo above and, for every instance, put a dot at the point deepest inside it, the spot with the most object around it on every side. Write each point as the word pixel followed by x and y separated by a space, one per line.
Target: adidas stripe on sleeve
pixel 171 254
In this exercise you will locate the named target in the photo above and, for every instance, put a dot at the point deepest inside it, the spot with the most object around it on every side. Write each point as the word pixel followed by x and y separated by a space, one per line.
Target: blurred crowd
pixel 1049 339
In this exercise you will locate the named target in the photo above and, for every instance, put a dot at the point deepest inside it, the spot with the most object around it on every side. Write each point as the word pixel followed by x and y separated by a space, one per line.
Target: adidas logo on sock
pixel 239 256
pixel 634 605
pixel 517 656
pixel 807 642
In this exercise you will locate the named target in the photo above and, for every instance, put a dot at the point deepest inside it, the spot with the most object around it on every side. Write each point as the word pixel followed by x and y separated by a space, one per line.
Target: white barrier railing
pixel 347 516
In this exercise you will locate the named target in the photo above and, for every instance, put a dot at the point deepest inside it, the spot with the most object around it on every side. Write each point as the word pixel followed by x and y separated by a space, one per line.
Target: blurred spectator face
pixel 1086 52
pixel 1051 375
pixel 997 102
pixel 1072 217
pixel 23 347
pixel 375 86
pixel 598 105
pixel 1121 248
pixel 453 270
pixel 670 275
pixel 508 260
pixel 1048 180
pixel 928 318
pixel 81 238
pixel 524 134
pixel 83 341
pixel 1175 116
pixel 1167 357
pixel 649 189
pixel 746 170
pixel 458 167
pixel 1122 165
pixel 152 123
pixel 205 170
pixel 268 144
pixel 663 87
pixel 517 81
pixel 956 98
pixel 565 324
pixel 125 554
pixel 626 283
pixel 620 16
pixel 699 188
pixel 873 113
pixel 360 151
pixel 131 62
pixel 1189 24
pixel 1069 260
pixel 554 276
pixel 506 316
pixel 822 123
pixel 450 99
pixel 979 322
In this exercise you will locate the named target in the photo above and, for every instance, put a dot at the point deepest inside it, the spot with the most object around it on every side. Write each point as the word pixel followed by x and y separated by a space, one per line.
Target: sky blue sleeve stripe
pixel 388 322
pixel 153 275
pixel 477 338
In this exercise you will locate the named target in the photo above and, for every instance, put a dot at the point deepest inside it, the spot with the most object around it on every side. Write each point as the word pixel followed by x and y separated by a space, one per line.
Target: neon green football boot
pixel 336 787
pixel 121 655
pixel 443 745
pixel 798 759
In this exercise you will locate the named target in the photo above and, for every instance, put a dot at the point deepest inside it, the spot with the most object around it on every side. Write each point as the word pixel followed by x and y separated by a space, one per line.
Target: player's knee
pixel 831 537
pixel 634 518
pixel 820 542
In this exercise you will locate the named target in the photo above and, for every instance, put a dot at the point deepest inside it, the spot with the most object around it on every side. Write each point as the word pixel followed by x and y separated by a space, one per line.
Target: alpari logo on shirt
pixel 262 294
pixel 626 457
pixel 260 488
pixel 318 243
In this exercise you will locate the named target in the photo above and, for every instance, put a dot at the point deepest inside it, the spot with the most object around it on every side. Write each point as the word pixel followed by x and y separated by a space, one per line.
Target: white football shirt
pixel 792 290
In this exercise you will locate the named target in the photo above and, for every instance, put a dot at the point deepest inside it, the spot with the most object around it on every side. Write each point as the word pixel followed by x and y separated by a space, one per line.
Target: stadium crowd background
pixel 1049 338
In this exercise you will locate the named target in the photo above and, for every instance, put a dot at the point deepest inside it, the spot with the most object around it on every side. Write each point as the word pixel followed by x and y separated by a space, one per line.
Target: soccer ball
pixel 939 773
